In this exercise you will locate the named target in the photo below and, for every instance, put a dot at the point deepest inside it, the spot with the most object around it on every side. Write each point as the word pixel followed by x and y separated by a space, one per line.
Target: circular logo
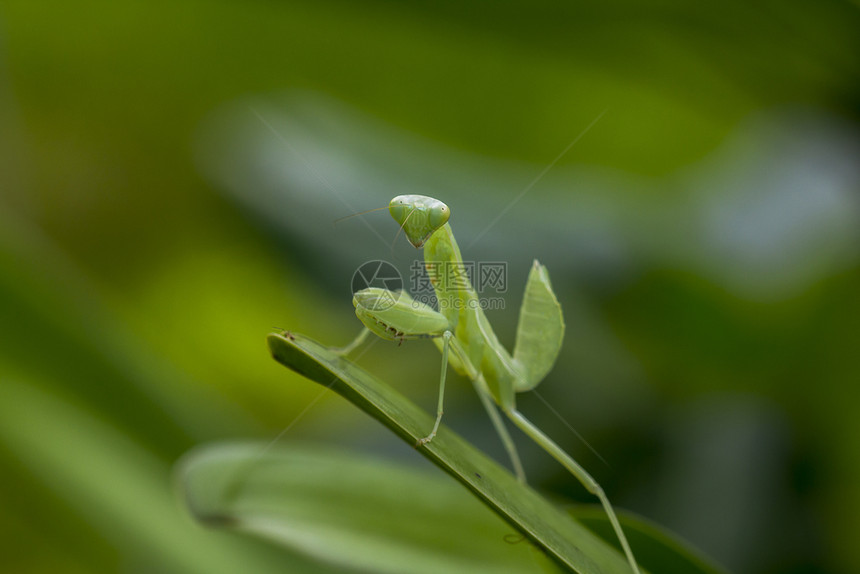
pixel 381 274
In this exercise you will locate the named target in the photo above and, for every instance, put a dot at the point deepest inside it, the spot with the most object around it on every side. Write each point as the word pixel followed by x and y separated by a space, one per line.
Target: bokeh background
pixel 169 177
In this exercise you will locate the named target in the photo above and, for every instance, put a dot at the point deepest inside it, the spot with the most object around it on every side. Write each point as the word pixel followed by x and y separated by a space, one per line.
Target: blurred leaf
pixel 119 487
pixel 300 159
pixel 356 511
pixel 352 511
pixel 564 539
pixel 657 549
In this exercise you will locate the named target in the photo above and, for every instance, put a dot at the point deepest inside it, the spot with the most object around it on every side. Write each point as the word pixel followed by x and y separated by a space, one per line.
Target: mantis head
pixel 419 216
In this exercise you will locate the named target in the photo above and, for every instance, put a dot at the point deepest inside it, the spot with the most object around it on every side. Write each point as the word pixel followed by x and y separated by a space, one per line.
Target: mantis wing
pixel 540 330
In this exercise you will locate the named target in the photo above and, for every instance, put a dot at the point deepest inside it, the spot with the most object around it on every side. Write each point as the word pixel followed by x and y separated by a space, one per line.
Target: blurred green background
pixel 170 171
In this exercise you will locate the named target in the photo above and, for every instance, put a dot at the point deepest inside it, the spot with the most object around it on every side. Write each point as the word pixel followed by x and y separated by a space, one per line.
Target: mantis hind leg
pixel 580 473
pixel 499 424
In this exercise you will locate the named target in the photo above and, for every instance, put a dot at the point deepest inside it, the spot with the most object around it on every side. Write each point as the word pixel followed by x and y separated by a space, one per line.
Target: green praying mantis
pixel 467 341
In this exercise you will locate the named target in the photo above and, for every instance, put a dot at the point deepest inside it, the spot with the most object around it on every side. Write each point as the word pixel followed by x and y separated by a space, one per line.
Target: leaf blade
pixel 566 541
pixel 352 511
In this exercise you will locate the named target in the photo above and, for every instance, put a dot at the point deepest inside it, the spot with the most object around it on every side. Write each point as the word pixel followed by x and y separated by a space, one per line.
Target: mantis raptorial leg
pixel 467 341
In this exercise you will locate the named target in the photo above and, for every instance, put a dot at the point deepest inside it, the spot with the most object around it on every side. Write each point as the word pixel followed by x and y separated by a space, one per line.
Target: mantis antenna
pixel 339 219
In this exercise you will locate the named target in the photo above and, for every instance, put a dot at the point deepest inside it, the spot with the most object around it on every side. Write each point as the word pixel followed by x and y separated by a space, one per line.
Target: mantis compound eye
pixel 400 207
pixel 439 215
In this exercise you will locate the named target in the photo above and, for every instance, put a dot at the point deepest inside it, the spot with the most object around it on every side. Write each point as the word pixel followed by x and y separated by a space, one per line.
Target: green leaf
pixel 353 511
pixel 656 548
pixel 77 460
pixel 566 541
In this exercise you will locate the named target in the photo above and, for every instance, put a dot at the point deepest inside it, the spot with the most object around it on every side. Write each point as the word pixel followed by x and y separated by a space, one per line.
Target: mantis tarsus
pixel 467 341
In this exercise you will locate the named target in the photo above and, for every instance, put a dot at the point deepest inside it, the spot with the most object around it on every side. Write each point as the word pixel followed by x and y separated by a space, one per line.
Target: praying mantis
pixel 467 341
